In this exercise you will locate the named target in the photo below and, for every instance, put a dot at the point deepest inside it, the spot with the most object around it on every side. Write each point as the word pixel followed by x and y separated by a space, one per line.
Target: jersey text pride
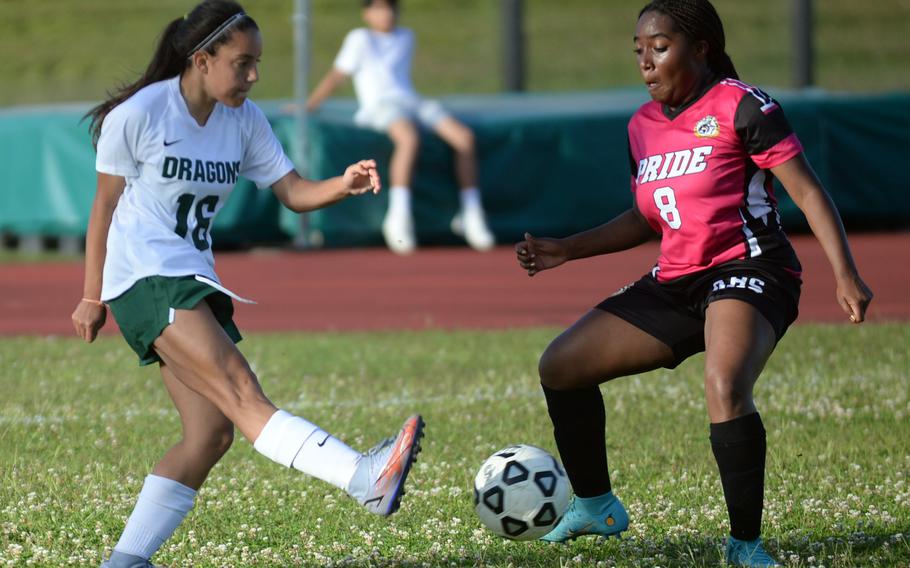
pixel 198 170
pixel 673 164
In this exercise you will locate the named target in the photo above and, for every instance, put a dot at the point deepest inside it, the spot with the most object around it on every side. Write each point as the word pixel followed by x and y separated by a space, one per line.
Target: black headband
pixel 219 31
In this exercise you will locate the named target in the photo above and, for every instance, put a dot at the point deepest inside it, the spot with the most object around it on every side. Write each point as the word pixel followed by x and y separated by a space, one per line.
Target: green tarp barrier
pixel 550 164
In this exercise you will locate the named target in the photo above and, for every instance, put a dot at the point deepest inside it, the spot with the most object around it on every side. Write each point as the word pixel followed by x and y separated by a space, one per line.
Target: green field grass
pixel 81 425
pixel 60 50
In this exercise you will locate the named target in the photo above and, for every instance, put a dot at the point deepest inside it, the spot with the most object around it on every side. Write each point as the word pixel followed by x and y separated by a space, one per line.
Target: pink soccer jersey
pixel 701 178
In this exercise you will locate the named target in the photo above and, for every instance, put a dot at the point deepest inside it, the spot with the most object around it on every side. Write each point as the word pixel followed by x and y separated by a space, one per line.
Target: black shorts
pixel 674 312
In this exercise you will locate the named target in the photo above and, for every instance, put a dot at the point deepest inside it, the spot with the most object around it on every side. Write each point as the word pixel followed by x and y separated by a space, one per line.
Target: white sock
pixel 294 442
pixel 400 198
pixel 470 198
pixel 161 507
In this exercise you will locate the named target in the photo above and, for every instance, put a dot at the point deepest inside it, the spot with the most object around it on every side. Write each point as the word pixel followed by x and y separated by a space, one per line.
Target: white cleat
pixel 378 483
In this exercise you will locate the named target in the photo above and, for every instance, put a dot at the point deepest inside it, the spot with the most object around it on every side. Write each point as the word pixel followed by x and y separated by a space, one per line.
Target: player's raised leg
pixel 470 222
pixel 599 347
pixel 738 341
pixel 204 358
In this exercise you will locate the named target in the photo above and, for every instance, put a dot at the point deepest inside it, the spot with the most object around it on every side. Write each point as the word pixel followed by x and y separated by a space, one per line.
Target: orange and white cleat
pixel 378 483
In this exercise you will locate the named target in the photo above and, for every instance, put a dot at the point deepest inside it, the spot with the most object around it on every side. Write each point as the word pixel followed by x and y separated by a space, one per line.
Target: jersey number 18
pixel 205 210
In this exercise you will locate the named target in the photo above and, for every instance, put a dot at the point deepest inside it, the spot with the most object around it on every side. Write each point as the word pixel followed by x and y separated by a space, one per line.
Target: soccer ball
pixel 521 492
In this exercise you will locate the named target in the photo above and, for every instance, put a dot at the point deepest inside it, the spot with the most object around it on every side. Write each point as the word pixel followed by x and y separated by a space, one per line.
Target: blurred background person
pixel 378 57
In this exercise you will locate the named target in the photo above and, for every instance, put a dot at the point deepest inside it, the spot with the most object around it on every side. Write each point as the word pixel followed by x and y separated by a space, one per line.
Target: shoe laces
pixel 382 445
pixel 375 455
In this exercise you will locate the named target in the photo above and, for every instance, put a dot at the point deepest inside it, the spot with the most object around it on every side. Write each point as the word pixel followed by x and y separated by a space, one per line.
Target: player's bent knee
pixel 554 370
pixel 726 393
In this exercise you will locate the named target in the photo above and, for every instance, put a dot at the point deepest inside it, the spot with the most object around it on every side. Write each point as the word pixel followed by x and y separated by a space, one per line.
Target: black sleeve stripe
pixel 633 167
pixel 759 131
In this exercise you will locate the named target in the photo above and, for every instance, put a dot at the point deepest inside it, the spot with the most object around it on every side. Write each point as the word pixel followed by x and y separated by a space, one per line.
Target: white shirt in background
pixel 380 64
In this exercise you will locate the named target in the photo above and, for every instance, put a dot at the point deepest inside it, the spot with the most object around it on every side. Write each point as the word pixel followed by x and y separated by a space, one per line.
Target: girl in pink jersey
pixel 703 154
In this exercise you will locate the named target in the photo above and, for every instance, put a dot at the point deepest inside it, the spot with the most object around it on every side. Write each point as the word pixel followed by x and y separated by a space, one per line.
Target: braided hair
pixel 175 48
pixel 698 21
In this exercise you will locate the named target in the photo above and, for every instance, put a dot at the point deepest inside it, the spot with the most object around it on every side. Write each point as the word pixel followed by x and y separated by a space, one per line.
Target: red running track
pixel 372 289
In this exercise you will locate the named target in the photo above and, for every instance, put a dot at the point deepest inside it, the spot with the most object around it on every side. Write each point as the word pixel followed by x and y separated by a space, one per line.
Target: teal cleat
pixel 603 515
pixel 749 553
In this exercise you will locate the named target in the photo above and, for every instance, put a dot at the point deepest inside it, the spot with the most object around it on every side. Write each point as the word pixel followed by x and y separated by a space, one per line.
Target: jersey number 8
pixel 665 200
pixel 205 209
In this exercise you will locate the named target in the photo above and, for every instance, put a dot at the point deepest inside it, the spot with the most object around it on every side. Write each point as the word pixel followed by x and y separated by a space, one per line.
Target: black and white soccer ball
pixel 521 492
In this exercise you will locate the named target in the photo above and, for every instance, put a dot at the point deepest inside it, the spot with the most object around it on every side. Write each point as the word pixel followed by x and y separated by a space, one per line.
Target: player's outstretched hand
pixel 362 177
pixel 88 318
pixel 853 296
pixel 536 254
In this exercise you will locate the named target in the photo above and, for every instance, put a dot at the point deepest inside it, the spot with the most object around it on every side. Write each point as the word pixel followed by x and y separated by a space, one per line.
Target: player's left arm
pixel 804 187
pixel 299 194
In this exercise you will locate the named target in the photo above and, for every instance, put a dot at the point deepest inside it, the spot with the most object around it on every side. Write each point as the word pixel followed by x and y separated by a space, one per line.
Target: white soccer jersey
pixel 178 176
pixel 380 64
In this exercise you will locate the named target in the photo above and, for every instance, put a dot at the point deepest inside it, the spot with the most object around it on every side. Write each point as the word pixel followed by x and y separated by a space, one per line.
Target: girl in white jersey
pixel 703 154
pixel 378 57
pixel 170 148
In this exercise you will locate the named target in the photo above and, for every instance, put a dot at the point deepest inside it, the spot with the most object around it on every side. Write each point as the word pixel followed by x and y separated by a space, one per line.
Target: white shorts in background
pixel 426 112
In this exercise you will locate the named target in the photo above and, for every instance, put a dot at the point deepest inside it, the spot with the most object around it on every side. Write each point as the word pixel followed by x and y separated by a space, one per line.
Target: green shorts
pixel 143 311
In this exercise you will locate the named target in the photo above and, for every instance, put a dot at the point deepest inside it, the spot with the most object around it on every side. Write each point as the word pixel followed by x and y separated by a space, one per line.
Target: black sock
pixel 739 448
pixel 579 421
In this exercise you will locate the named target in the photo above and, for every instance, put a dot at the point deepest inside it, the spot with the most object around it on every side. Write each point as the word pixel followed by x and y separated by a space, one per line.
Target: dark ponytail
pixel 172 55
pixel 723 66
pixel 699 21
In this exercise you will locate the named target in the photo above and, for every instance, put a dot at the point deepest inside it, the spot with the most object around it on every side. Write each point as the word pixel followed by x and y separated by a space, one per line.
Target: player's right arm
pixel 627 230
pixel 90 315
pixel 332 80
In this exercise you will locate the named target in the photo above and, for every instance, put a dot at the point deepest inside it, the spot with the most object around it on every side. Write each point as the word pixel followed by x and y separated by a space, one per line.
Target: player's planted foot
pixel 603 515
pixel 378 483
pixel 471 223
pixel 121 560
pixel 749 553
pixel 398 231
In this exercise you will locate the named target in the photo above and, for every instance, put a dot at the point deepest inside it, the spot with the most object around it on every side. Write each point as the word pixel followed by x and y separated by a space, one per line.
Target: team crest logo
pixel 707 127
